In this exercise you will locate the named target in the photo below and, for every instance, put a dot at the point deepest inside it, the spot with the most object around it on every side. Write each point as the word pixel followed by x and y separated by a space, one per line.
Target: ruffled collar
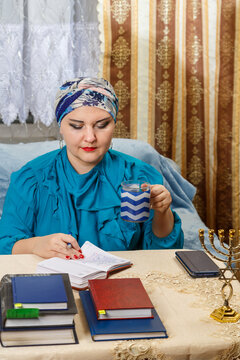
pixel 96 190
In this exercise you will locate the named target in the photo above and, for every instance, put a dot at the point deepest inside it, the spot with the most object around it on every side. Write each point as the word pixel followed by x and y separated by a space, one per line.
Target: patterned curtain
pixel 175 65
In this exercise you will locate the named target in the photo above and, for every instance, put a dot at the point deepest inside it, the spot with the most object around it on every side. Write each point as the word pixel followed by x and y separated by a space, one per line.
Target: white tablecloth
pixel 184 305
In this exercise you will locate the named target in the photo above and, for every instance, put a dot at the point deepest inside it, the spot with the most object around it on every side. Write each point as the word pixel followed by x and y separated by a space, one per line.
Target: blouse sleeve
pixel 17 220
pixel 173 241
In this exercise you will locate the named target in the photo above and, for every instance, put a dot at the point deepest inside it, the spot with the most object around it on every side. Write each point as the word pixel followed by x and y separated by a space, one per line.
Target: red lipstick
pixel 88 148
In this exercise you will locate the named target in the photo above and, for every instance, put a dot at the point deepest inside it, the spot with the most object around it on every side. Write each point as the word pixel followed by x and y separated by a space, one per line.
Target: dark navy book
pixel 39 291
pixel 121 329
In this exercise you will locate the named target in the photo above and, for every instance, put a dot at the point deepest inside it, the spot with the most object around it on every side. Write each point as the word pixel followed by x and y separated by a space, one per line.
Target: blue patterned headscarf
pixel 85 91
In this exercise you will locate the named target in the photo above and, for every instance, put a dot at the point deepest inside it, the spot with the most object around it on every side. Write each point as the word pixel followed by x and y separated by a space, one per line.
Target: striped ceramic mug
pixel 135 201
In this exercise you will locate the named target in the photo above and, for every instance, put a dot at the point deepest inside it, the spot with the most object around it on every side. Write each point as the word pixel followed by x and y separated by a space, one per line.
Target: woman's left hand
pixel 163 220
pixel 160 198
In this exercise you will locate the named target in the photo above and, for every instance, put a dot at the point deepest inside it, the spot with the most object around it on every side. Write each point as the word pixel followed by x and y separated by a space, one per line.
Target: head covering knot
pixel 85 91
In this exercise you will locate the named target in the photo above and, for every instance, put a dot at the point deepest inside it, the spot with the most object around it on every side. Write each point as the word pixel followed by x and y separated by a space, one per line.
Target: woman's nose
pixel 89 135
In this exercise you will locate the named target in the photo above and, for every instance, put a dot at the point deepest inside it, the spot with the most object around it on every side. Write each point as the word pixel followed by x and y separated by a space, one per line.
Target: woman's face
pixel 87 132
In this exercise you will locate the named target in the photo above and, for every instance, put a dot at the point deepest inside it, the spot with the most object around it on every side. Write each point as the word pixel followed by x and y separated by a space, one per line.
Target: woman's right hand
pixel 54 245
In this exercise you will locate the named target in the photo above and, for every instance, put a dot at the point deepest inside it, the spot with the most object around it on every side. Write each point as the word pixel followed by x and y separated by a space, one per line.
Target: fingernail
pixel 75 257
pixel 81 256
pixel 80 250
pixel 67 257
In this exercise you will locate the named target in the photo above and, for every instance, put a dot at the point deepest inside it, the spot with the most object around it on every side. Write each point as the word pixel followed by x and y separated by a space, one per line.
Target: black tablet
pixel 197 263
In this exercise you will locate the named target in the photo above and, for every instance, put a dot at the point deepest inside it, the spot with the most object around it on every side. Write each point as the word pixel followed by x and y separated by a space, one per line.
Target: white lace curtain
pixel 42 44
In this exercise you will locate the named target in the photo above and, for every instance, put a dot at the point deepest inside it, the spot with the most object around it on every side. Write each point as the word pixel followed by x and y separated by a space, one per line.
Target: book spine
pixel 14 294
pixel 94 298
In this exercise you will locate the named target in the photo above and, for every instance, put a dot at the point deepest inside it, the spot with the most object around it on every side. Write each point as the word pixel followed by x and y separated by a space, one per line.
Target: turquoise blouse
pixel 48 196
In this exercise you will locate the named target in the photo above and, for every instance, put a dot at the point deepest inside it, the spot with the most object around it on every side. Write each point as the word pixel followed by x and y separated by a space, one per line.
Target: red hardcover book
pixel 120 299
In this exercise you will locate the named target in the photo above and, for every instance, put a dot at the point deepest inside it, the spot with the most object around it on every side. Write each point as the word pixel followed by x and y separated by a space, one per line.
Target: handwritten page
pixel 73 267
pixel 100 259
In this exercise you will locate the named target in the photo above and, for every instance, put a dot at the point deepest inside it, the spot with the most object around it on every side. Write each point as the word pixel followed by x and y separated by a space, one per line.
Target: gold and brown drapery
pixel 175 65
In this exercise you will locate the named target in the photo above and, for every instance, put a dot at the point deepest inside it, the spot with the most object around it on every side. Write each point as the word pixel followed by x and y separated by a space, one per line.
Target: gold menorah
pixel 230 255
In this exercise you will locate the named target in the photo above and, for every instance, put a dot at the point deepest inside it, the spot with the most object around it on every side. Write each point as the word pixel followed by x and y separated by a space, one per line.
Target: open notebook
pixel 97 264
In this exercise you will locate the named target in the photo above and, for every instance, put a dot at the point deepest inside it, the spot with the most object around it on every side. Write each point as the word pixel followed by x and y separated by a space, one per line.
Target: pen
pixel 69 245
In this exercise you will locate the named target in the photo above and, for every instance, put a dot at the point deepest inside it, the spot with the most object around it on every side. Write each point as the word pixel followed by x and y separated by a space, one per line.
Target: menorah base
pixel 225 315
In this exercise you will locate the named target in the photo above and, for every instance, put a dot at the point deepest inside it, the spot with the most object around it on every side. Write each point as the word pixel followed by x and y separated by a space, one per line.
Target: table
pixel 183 303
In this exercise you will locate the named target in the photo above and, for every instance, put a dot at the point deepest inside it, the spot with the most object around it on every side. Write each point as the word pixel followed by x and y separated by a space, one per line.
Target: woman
pixel 72 195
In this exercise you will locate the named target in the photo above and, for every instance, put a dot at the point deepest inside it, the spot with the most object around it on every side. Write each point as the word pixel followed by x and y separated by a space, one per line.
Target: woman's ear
pixel 61 140
pixel 60 130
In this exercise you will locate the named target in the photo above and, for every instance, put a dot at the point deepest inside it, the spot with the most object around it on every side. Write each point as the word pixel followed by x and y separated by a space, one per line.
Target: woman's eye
pixel 103 125
pixel 77 127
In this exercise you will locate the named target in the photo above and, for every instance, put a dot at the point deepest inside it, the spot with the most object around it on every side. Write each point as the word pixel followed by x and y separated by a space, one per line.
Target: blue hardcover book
pixel 121 329
pixel 39 291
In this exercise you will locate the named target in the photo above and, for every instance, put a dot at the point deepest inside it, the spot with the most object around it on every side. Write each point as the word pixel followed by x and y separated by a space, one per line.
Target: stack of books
pixel 119 309
pixel 37 309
